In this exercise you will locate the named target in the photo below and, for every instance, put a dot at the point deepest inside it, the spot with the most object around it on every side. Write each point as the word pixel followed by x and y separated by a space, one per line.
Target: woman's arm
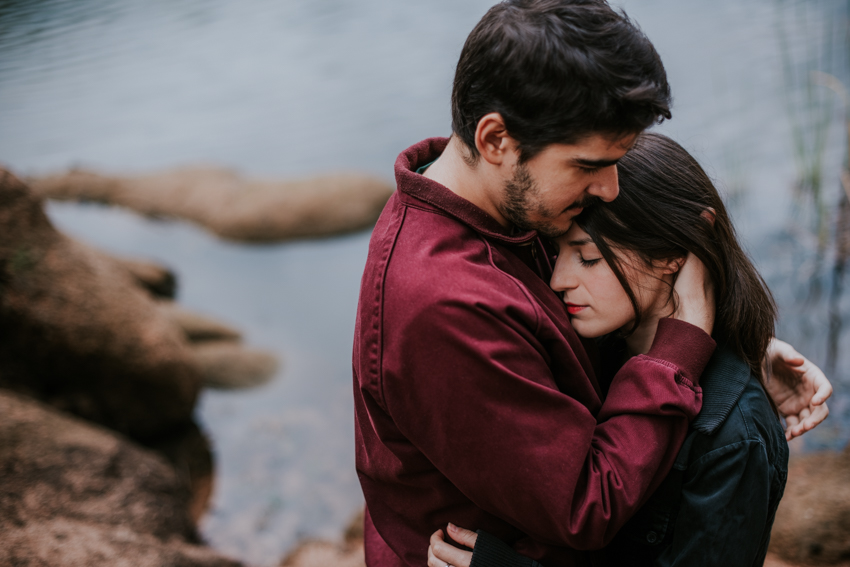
pixel 488 551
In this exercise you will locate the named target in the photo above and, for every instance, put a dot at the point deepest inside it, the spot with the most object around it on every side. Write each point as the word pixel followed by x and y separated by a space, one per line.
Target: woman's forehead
pixel 576 236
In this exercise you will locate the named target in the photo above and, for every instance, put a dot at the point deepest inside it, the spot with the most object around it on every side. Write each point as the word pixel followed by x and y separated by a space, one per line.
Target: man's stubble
pixel 522 201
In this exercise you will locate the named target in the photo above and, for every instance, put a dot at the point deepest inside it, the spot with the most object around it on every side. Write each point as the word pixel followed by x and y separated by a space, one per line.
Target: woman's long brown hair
pixel 659 216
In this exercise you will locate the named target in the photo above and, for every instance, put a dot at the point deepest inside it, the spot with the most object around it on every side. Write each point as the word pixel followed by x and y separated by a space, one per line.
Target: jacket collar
pixel 411 186
pixel 722 384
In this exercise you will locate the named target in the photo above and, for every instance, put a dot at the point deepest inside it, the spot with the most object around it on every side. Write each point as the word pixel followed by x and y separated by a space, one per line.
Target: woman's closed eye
pixel 588 262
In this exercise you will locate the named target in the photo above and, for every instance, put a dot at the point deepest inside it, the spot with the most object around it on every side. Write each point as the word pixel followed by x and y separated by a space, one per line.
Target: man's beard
pixel 522 199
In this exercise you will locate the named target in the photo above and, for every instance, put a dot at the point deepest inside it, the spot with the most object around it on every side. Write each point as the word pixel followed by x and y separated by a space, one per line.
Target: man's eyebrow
pixel 595 163
pixel 581 242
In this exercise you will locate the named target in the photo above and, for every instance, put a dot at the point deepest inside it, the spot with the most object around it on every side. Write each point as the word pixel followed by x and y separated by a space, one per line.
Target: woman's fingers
pixel 433 560
pixel 462 535
pixel 695 291
pixel 444 554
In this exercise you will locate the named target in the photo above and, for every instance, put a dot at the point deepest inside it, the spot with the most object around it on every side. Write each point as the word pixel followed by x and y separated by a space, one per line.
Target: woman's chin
pixel 588 329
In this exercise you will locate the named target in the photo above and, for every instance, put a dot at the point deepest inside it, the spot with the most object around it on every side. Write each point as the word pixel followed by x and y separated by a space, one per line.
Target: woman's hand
pixel 799 388
pixel 695 292
pixel 441 553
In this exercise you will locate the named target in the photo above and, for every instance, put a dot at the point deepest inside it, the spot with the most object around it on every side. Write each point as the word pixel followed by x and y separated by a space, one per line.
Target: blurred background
pixel 285 89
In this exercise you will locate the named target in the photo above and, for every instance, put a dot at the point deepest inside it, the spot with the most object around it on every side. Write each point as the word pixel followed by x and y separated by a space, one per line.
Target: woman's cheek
pixel 590 325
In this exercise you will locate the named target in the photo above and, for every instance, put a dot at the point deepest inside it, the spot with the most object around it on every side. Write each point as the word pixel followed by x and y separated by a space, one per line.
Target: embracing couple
pixel 560 343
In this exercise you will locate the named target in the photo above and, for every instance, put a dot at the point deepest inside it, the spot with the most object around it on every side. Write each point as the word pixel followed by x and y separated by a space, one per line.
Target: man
pixel 475 400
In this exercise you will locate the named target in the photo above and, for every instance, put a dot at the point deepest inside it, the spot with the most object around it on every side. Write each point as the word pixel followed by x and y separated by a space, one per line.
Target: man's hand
pixel 695 292
pixel 798 387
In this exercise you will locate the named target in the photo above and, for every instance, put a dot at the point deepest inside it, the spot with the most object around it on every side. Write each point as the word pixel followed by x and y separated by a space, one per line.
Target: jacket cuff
pixel 686 346
pixel 490 551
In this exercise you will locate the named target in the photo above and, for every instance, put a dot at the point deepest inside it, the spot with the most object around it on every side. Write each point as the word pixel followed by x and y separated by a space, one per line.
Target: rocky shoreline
pixel 233 207
pixel 100 461
pixel 100 370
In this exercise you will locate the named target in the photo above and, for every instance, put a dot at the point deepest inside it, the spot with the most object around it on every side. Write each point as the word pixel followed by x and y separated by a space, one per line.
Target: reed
pixel 842 226
pixel 818 49
pixel 814 42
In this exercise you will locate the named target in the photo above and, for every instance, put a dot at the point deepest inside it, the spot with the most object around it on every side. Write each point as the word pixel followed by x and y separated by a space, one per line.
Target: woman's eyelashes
pixel 587 263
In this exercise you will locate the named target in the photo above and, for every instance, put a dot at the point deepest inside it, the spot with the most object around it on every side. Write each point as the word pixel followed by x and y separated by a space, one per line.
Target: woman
pixel 616 268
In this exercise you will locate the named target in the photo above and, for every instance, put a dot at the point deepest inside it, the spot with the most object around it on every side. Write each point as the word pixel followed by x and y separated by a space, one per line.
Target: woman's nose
pixel 562 277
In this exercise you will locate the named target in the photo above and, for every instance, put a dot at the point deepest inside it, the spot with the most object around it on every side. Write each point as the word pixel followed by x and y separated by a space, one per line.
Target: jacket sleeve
pixel 724 509
pixel 490 551
pixel 474 392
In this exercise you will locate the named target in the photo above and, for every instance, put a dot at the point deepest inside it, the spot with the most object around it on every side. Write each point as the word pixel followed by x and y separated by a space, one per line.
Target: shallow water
pixel 285 88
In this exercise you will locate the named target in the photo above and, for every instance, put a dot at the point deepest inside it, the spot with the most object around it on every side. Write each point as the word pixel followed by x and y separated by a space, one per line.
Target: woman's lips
pixel 572 308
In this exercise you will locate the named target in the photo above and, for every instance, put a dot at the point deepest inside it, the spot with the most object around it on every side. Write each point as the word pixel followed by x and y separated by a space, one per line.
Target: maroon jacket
pixel 475 401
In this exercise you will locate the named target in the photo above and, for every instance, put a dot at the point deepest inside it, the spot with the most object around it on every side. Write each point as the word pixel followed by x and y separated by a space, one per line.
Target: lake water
pixel 283 88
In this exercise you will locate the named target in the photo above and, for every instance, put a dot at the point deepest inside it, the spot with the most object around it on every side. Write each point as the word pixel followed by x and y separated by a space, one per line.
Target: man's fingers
pixel 805 421
pixel 788 353
pixel 792 427
pixel 814 418
pixel 462 535
pixel 824 389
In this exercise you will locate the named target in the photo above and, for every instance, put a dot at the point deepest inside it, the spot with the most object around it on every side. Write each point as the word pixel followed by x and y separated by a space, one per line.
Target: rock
pixel 354 530
pixel 188 450
pixel 231 206
pixel 74 494
pixel 349 553
pixel 79 333
pixel 159 281
pixel 772 560
pixel 224 364
pixel 325 554
pixel 217 352
pixel 68 543
pixel 813 521
pixel 198 328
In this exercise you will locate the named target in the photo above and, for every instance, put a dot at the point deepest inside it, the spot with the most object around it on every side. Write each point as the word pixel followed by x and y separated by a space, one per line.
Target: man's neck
pixel 469 182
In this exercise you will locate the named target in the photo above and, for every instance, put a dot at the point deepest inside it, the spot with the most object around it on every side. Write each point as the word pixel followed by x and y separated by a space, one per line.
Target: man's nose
pixel 606 186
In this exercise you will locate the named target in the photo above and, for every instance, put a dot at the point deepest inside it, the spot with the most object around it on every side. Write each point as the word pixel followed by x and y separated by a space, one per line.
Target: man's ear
pixel 493 141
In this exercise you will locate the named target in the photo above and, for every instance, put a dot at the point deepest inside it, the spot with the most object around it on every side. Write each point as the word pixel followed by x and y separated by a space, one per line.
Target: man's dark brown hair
pixel 557 71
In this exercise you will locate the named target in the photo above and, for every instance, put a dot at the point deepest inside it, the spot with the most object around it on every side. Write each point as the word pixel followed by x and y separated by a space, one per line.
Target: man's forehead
pixel 595 147
pixel 620 142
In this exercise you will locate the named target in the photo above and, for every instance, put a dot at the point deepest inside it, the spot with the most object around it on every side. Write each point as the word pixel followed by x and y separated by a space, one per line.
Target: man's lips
pixel 572 308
